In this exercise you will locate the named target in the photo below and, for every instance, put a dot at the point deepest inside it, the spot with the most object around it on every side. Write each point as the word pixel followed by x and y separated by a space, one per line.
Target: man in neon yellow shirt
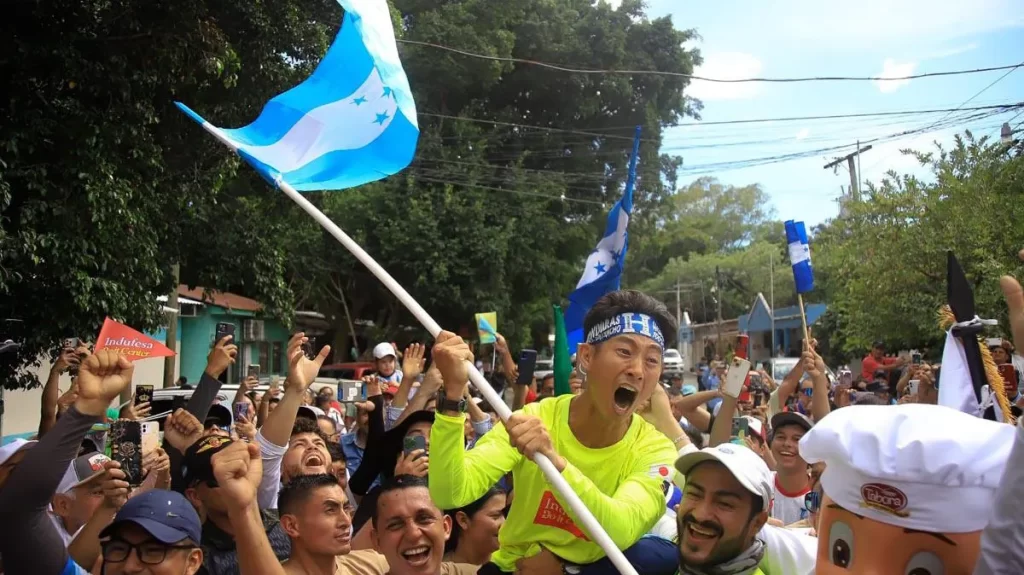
pixel 612 458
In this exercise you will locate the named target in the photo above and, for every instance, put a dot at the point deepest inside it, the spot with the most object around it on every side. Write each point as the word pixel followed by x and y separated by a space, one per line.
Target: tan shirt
pixel 369 562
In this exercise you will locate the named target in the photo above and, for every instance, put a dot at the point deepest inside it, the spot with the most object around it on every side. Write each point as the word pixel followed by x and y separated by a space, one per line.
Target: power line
pixel 1007 106
pixel 982 91
pixel 564 68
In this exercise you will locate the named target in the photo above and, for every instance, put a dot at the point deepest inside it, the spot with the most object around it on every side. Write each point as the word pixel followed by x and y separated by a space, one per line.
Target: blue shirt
pixel 354 456
pixel 353 453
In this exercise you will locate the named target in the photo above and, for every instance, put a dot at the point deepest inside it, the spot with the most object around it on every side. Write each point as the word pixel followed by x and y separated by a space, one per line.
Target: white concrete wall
pixel 22 407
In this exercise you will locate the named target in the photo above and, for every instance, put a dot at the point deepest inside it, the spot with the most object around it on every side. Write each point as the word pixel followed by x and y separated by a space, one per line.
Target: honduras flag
pixel 603 272
pixel 800 256
pixel 352 122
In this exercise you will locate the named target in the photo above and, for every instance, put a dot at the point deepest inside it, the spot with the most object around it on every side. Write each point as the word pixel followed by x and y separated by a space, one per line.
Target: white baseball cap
pixel 746 466
pixel 383 350
pixel 755 427
pixel 14 446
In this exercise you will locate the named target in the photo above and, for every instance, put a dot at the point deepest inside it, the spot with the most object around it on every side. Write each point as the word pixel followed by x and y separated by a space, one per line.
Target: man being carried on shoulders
pixel 612 458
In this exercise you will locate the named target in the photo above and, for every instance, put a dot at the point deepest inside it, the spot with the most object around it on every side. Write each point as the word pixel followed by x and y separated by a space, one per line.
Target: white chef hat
pixel 923 467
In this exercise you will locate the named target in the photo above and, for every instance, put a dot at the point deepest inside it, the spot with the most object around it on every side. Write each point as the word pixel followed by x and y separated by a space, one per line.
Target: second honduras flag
pixel 352 122
pixel 603 273
pixel 800 256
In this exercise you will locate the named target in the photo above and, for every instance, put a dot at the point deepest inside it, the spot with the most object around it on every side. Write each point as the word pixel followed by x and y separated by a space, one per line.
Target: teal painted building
pixel 261 340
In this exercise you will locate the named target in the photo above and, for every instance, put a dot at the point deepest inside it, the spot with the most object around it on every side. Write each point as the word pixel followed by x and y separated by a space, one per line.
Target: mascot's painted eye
pixel 925 563
pixel 840 544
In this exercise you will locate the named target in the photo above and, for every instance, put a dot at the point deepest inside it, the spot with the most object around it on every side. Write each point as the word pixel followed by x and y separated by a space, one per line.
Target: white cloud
pixel 614 3
pixel 803 133
pixel 893 69
pixel 954 51
pixel 727 66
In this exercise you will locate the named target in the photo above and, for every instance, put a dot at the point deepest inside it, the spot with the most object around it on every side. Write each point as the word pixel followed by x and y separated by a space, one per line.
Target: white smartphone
pixel 735 377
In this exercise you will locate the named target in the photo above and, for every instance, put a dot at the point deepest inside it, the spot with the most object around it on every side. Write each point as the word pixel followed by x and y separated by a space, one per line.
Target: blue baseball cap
pixel 166 515
pixel 689 390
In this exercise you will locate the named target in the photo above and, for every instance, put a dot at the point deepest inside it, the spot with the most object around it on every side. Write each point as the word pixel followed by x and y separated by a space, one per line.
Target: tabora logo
pixel 884 498
pixel 127 342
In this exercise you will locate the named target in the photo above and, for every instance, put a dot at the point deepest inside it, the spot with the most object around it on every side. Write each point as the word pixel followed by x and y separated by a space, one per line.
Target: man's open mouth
pixel 701 533
pixel 313 460
pixel 625 396
pixel 417 555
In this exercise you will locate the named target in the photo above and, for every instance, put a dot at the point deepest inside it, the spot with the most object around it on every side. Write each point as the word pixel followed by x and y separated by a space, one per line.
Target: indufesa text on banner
pixel 132 344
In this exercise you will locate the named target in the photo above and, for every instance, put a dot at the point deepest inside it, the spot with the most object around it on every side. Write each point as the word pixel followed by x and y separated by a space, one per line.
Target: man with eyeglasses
pixel 156 533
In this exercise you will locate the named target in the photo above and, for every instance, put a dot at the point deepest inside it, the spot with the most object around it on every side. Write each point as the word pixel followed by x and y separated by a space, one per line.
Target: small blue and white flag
pixel 353 121
pixel 800 256
pixel 603 272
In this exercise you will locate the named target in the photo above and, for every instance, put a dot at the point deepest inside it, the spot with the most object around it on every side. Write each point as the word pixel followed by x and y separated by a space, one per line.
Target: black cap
pixel 878 344
pixel 791 418
pixel 880 374
pixel 875 386
pixel 196 466
pixel 219 415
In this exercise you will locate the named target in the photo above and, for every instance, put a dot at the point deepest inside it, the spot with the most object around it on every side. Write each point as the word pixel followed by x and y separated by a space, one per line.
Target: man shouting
pixel 611 457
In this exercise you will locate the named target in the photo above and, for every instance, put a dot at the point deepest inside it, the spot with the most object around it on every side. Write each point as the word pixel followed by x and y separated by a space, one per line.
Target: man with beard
pixel 724 506
pixel 621 362
pixel 291 447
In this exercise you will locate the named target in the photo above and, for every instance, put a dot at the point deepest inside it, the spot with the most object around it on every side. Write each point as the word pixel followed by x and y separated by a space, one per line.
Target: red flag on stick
pixel 128 342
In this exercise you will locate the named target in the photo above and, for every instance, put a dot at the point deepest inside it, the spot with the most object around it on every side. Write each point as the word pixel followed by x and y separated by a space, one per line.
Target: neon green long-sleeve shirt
pixel 620 484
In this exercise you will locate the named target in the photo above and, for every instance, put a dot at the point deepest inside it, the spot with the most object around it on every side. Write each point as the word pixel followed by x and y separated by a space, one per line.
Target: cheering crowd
pixel 738 475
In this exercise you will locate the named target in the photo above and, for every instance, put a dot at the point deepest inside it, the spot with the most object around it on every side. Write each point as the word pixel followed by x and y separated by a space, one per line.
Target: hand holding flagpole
pixel 803 273
pixel 353 122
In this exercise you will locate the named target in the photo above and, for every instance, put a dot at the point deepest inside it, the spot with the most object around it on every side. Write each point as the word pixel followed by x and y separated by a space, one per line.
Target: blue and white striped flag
pixel 800 256
pixel 603 272
pixel 352 122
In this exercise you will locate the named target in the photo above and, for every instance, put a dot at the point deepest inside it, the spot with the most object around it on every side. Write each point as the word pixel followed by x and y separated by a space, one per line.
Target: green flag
pixel 562 365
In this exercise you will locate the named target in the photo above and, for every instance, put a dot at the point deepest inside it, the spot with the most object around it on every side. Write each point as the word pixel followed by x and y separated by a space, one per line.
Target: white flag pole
pixel 590 523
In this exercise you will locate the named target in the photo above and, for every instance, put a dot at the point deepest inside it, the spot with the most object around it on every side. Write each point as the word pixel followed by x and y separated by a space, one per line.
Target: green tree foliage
pixel 883 267
pixel 705 217
pixel 479 222
pixel 708 225
pixel 104 185
pixel 743 273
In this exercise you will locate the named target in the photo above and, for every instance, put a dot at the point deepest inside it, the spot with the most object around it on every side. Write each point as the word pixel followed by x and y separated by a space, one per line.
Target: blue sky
pixel 813 38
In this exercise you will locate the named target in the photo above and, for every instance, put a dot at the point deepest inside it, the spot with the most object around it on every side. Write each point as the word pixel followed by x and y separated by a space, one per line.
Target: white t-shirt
pixel 787 552
pixel 788 507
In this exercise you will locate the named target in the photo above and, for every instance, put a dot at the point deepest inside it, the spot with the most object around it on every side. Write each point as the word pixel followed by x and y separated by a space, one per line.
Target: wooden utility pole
pixel 718 299
pixel 172 328
pixel 854 182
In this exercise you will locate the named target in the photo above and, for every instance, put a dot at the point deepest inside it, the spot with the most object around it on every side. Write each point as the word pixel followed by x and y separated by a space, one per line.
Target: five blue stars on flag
pixel 381 118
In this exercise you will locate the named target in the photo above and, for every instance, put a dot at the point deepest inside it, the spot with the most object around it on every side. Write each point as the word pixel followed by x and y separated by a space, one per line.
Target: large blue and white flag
pixel 351 122
pixel 603 272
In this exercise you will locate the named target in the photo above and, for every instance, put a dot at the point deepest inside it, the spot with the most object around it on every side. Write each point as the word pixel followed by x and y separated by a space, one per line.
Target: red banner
pixel 128 342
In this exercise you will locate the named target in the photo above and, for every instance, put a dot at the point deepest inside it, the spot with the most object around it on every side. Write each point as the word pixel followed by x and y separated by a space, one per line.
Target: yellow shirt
pixel 620 484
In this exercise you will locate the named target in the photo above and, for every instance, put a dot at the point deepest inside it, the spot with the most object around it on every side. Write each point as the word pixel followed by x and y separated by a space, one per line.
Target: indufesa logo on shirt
pixel 551 513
